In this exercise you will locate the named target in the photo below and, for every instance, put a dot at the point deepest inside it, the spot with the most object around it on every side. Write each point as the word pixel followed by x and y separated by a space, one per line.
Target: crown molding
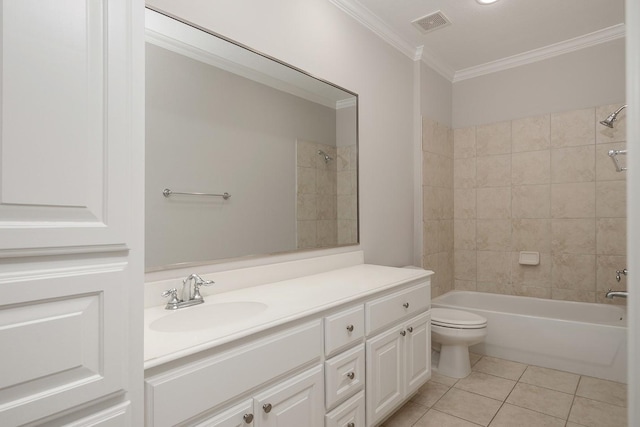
pixel 366 18
pixel 437 65
pixel 535 55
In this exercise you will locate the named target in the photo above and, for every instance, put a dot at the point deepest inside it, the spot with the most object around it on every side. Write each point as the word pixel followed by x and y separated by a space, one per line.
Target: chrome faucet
pixel 188 298
pixel 619 272
pixel 610 294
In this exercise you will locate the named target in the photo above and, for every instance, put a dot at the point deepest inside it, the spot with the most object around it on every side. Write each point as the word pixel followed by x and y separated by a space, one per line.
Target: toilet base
pixel 454 361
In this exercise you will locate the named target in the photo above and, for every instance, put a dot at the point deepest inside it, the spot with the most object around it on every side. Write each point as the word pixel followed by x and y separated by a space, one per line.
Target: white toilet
pixel 455 331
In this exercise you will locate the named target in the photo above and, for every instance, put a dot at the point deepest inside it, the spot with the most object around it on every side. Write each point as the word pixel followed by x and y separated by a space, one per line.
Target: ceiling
pixel 486 38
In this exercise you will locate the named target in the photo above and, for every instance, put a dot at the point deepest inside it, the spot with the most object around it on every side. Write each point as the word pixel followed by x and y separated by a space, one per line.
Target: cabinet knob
pixel 405 305
pixel 248 418
pixel 351 425
pixel 351 375
pixel 403 332
pixel 410 329
pixel 267 407
pixel 350 328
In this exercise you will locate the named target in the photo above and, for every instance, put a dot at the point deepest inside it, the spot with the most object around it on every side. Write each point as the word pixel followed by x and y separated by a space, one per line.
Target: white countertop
pixel 286 301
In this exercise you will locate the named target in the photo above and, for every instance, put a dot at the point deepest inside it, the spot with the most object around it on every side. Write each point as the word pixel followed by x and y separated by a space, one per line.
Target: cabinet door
pixel 385 374
pixel 71 212
pixel 418 352
pixel 293 403
pixel 239 416
pixel 348 414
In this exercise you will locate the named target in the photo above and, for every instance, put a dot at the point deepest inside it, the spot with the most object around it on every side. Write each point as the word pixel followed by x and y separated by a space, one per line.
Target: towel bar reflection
pixel 614 156
pixel 167 192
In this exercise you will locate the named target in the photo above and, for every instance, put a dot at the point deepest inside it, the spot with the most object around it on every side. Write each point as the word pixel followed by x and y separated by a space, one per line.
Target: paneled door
pixel 71 212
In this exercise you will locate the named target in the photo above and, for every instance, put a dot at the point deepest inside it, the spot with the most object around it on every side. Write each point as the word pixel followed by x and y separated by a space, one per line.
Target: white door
pixel 71 211
pixel 385 373
pixel 296 402
pixel 418 352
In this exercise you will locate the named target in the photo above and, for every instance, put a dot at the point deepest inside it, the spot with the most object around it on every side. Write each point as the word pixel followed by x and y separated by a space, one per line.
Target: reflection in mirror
pixel 223 119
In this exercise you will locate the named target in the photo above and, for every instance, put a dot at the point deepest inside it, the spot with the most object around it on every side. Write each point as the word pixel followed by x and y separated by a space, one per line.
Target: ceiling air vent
pixel 431 22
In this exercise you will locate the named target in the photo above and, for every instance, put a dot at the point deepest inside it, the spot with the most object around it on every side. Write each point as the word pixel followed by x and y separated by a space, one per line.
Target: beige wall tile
pixel 464 172
pixel 604 134
pixel 605 168
pixel 327 207
pixel 464 142
pixel 572 128
pixel 496 288
pixel 306 180
pixel 606 272
pixel 441 143
pixel 531 201
pixel 431 206
pixel 577 200
pixel 531 167
pixel 494 138
pixel 306 207
pixel 494 203
pixel 531 235
pixel 327 233
pixel 464 232
pixel 573 295
pixel 347 207
pixel 464 285
pixel 446 235
pixel 326 182
pixel 464 206
pixel 573 164
pixel 307 234
pixel 434 169
pixel 531 133
pixel 532 291
pixel 346 183
pixel 574 272
pixel 493 171
pixel 611 199
pixel 446 198
pixel 465 265
pixel 534 275
pixel 431 240
pixel 347 231
pixel 494 267
pixel 493 234
pixel 573 236
pixel 611 236
pixel 430 262
pixel 445 264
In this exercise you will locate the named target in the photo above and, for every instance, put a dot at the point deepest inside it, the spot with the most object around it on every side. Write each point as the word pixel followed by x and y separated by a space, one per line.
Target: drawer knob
pixel 351 375
pixel 351 425
pixel 405 305
pixel 410 329
pixel 403 332
pixel 248 418
pixel 267 407
pixel 350 328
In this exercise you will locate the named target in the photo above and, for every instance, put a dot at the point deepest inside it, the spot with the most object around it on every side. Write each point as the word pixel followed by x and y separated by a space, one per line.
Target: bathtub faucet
pixel 619 272
pixel 611 294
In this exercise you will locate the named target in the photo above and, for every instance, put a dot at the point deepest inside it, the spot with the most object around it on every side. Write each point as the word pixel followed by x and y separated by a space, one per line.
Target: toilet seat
pixel 457 319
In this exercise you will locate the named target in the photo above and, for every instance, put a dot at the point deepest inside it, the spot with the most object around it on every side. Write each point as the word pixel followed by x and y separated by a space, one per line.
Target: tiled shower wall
pixel 437 192
pixel 543 184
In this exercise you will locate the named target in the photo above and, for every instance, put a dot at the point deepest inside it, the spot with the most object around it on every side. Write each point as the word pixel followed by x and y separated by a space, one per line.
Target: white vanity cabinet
pixel 398 358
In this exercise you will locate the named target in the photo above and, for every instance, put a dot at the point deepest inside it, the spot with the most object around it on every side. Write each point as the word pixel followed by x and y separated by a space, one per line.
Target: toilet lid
pixel 456 318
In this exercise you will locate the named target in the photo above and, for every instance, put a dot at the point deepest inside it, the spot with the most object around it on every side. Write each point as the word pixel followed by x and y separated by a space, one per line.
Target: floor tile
pixel 540 399
pixel 429 393
pixel 550 378
pixel 514 416
pixel 435 418
pixel 443 379
pixel 468 406
pixel 500 368
pixel 591 413
pixel 474 358
pixel 406 416
pixel 486 385
pixel 603 391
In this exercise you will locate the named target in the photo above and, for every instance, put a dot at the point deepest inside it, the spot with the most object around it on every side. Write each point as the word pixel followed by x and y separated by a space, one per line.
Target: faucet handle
pixel 619 272
pixel 196 288
pixel 173 298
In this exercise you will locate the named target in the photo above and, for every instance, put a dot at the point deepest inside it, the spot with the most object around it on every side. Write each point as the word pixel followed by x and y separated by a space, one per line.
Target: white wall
pixel 585 78
pixel 317 37
pixel 436 96
pixel 212 131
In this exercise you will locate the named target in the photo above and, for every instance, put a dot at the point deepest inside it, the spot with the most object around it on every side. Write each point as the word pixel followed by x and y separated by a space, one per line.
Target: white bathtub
pixel 584 338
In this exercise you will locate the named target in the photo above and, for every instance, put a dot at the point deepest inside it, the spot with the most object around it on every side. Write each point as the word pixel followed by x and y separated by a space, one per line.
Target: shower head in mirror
pixel 608 122
pixel 327 158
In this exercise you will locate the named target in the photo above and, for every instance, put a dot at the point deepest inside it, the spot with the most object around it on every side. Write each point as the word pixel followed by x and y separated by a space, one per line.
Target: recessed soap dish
pixel 529 258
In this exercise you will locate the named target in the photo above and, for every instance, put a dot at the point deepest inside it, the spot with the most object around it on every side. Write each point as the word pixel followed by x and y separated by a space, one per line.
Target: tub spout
pixel 611 294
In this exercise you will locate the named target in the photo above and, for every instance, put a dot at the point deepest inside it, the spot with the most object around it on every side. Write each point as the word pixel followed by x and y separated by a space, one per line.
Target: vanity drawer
pixel 349 414
pixel 344 375
pixel 398 305
pixel 343 328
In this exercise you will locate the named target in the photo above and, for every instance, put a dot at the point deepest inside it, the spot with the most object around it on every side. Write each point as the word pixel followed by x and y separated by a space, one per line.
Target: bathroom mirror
pixel 221 118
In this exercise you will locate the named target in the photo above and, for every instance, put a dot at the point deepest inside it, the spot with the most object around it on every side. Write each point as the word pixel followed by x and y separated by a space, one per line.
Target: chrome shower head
pixel 608 122
pixel 327 157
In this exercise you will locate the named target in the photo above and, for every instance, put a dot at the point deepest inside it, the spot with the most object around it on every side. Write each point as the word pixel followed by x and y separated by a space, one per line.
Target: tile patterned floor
pixel 501 393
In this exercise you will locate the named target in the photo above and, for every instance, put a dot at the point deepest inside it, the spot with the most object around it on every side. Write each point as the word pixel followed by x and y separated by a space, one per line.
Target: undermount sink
pixel 206 316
